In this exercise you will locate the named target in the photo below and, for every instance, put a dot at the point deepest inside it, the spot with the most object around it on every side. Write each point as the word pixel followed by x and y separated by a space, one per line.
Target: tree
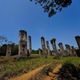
pixel 3 50
pixel 2 40
pixel 53 6
pixel 4 43
pixel 14 49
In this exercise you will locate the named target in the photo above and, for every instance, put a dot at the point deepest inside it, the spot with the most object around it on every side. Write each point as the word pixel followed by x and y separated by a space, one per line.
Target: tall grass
pixel 12 65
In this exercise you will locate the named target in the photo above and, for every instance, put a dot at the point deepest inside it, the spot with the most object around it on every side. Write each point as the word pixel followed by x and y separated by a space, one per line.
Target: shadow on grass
pixel 69 72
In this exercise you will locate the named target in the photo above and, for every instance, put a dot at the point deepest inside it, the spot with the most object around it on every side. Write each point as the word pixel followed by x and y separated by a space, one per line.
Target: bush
pixel 69 72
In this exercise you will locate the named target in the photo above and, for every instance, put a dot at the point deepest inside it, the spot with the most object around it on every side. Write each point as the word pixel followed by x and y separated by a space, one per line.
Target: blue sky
pixel 23 14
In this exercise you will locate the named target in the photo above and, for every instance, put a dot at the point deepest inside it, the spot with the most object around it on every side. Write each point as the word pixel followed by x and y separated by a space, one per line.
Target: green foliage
pixel 69 72
pixel 53 6
pixel 14 50
pixel 3 50
pixel 34 51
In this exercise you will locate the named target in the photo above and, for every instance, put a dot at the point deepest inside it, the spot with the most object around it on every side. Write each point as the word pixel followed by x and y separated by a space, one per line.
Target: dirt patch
pixel 29 75
pixel 52 75
pixel 47 73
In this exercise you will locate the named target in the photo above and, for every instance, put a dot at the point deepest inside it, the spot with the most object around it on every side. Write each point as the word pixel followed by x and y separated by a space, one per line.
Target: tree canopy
pixel 53 6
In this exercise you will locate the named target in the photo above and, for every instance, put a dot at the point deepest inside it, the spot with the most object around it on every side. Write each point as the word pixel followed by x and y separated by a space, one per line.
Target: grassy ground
pixel 73 60
pixel 9 64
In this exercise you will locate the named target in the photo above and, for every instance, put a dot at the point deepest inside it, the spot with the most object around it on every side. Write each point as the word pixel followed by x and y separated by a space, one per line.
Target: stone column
pixel 30 45
pixel 53 42
pixel 61 48
pixel 8 51
pixel 73 51
pixel 68 49
pixel 78 41
pixel 23 43
pixel 48 48
pixel 40 52
pixel 44 51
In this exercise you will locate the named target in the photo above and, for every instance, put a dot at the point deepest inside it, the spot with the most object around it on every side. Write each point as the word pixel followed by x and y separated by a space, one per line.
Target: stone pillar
pixel 48 48
pixel 61 48
pixel 53 42
pixel 68 49
pixel 44 51
pixel 78 41
pixel 23 43
pixel 40 52
pixel 73 51
pixel 8 51
pixel 30 45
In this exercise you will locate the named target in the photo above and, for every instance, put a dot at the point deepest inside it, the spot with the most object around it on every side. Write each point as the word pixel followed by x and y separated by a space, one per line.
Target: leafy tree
pixel 14 49
pixel 2 40
pixel 53 6
pixel 34 51
pixel 3 50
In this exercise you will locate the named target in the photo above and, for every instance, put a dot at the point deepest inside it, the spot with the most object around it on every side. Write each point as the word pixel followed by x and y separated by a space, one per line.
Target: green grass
pixel 15 65
pixel 12 65
pixel 74 60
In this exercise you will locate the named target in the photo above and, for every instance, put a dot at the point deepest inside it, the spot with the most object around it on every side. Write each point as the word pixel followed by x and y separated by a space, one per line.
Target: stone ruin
pixel 23 50
pixel 43 45
pixel 45 51
pixel 40 51
pixel 68 50
pixel 53 43
pixel 77 38
pixel 61 52
pixel 23 43
pixel 8 51
pixel 48 48
pixel 73 51
pixel 78 41
pixel 30 45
